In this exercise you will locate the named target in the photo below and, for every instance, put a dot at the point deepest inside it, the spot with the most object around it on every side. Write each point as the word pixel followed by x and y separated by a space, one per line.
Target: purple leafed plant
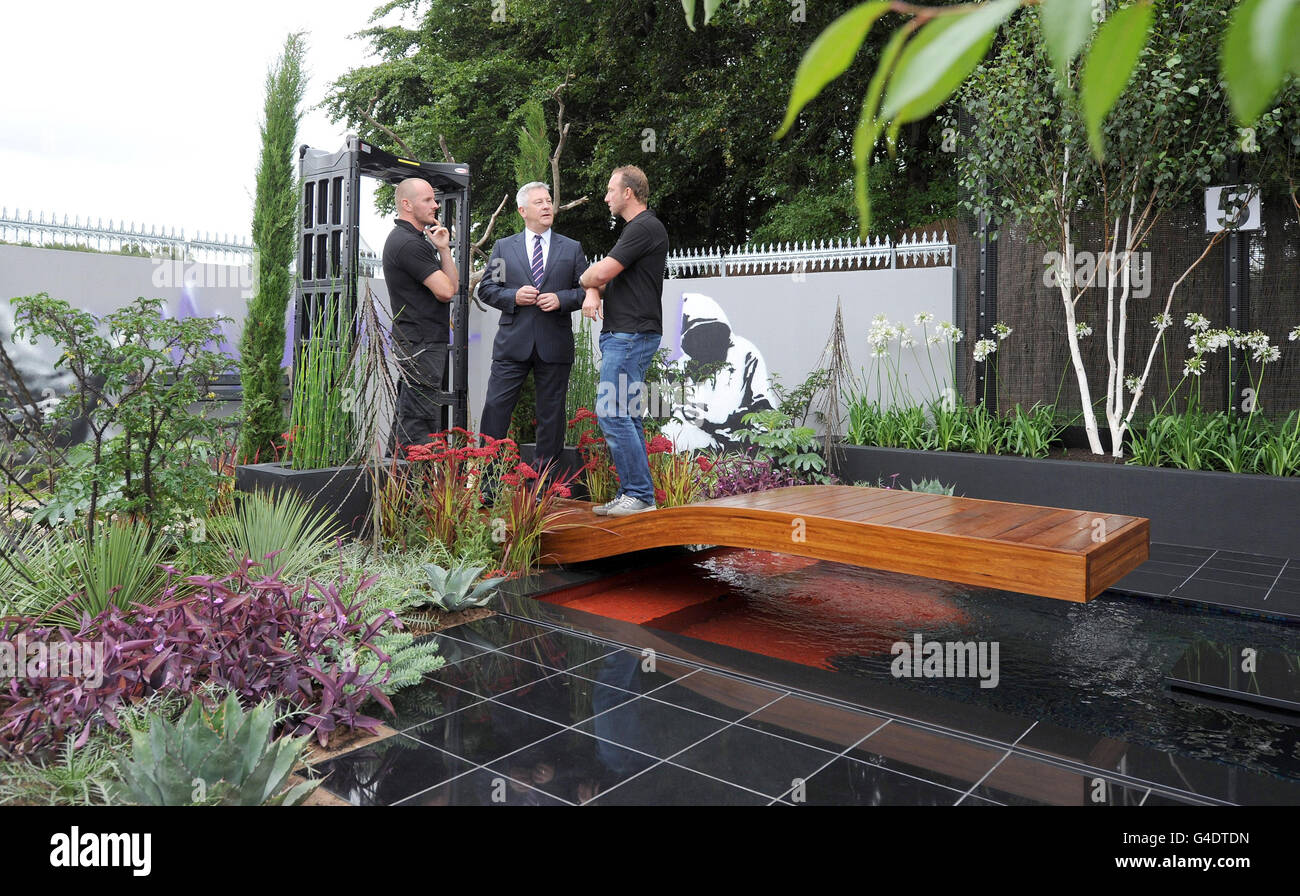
pixel 739 474
pixel 260 637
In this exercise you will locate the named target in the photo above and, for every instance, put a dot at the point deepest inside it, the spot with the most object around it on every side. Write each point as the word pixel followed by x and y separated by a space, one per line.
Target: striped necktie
pixel 537 260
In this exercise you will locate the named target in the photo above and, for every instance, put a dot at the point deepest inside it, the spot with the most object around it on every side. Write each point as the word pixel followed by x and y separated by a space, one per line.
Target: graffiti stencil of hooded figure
pixel 714 405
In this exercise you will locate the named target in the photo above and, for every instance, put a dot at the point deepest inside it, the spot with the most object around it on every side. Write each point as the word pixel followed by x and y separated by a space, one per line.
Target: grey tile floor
pixel 540 712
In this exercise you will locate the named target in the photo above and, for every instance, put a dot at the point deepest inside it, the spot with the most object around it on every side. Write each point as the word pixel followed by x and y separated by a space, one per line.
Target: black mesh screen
pixel 1033 364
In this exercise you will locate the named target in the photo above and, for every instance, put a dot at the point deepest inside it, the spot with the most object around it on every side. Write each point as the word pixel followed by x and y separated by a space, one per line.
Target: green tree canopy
pixel 697 110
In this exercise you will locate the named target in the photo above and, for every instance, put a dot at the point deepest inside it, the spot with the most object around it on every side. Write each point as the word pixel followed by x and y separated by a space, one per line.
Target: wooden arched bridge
pixel 1066 554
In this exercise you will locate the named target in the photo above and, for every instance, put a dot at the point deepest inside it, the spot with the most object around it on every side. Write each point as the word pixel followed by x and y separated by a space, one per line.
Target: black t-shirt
pixel 409 259
pixel 634 299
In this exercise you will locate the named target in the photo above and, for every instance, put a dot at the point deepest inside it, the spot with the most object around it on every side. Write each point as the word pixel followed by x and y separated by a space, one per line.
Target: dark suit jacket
pixel 524 327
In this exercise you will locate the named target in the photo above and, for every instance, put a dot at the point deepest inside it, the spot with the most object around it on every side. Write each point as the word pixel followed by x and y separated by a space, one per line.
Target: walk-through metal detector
pixel 330 236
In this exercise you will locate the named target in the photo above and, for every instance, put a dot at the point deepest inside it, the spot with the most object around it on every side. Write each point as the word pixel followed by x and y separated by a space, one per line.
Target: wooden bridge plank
pixel 1018 533
pixel 1015 547
pixel 820 506
pixel 931 513
pixel 991 524
pixel 891 515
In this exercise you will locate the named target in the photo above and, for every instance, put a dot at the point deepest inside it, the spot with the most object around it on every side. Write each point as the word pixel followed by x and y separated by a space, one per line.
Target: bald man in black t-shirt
pixel 420 273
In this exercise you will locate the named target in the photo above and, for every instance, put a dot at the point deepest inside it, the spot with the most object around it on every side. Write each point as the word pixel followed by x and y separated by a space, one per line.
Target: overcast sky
pixel 148 111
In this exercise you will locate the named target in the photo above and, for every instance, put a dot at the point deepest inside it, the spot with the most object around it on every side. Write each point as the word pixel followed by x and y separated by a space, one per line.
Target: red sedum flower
pixel 659 445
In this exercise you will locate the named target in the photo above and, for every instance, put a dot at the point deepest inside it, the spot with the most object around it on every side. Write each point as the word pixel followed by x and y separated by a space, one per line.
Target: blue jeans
pixel 622 396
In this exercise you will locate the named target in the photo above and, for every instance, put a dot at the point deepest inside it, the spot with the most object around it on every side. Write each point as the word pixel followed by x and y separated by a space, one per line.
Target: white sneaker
pixel 628 505
pixel 603 509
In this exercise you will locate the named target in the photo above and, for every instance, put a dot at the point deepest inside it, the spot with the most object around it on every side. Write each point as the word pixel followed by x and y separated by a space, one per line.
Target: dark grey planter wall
pixel 1226 511
pixel 341 491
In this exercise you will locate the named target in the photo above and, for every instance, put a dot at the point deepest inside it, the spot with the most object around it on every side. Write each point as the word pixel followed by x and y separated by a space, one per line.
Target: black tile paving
pixel 565 708
pixel 1252 584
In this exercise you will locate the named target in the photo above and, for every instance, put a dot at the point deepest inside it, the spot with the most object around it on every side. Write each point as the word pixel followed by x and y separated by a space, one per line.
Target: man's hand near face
pixel 438 235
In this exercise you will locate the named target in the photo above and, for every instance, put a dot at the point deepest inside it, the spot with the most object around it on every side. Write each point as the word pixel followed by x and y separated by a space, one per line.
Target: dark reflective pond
pixel 1095 667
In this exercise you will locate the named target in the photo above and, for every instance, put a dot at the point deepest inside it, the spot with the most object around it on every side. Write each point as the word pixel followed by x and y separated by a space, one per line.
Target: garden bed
pixel 1224 511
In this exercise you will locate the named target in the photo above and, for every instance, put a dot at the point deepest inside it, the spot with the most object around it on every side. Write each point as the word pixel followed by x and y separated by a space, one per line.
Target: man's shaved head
pixel 412 187
pixel 416 202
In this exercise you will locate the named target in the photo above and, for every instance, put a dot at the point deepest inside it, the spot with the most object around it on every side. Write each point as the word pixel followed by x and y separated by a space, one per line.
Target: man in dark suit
pixel 532 277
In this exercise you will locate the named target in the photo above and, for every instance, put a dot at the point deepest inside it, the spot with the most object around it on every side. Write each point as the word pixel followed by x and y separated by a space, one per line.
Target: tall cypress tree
pixel 275 239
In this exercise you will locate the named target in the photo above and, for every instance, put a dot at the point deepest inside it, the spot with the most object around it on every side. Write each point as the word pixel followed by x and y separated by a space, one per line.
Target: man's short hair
pixel 635 180
pixel 407 188
pixel 522 196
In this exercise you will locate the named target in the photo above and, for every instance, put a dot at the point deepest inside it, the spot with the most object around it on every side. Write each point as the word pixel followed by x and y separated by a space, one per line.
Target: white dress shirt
pixel 546 245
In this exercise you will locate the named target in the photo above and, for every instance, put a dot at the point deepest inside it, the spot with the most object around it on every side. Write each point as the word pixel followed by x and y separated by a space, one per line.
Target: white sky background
pixel 148 111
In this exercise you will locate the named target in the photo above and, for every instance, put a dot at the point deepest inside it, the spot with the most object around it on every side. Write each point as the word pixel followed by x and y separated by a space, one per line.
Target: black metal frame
pixel 987 307
pixel 329 216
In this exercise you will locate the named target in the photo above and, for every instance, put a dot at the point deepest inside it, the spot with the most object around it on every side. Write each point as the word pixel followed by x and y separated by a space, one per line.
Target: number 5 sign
pixel 1234 207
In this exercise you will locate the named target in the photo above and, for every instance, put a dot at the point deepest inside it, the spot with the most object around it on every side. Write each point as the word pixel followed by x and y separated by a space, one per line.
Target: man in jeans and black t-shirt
pixel 420 273
pixel 631 278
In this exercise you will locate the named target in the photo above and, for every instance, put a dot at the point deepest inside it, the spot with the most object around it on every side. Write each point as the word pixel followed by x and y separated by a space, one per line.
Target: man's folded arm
pixel 601 272
pixel 571 299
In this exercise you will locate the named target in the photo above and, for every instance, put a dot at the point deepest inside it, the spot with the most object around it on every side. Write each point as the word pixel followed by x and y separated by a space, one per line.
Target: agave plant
pixel 454 588
pixel 222 757
pixel 931 487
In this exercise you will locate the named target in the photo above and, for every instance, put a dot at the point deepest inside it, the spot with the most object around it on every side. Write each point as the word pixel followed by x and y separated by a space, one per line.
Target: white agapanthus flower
pixel 1294 334
pixel 1217 339
pixel 1194 366
pixel 1268 354
pixel 880 333
pixel 1001 330
pixel 1082 329
pixel 1162 321
pixel 1197 322
pixel 1211 341
pixel 923 318
pixel 984 348
pixel 907 341
pixel 1258 342
pixel 1131 383
pixel 879 352
pixel 933 339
